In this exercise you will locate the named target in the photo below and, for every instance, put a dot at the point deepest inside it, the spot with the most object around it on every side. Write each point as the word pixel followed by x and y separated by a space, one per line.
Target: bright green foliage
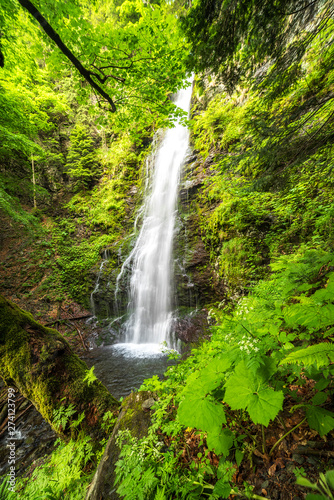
pixel 61 472
pixel 271 149
pixel 42 97
pixel 90 376
pixel 62 415
pixel 6 490
pixel 220 440
pixel 81 163
pixel 204 413
pixel 126 51
pixel 143 463
pixel 267 208
pixel 200 410
pixel 250 362
pixel 12 208
pixel 325 487
pixel 156 473
pixel 248 390
pixel 106 204
pixel 318 354
pixel 29 109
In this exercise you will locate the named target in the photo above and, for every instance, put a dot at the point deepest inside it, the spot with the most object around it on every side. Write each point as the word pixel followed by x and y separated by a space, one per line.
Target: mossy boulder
pixel 135 416
pixel 39 362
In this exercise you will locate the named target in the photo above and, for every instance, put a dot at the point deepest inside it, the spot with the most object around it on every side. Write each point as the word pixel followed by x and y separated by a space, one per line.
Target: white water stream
pixel 150 304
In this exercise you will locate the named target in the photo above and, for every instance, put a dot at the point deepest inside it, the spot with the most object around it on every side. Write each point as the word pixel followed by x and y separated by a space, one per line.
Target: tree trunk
pixel 39 362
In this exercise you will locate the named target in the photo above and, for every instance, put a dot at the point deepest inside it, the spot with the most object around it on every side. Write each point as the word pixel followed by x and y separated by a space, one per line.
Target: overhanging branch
pixel 26 4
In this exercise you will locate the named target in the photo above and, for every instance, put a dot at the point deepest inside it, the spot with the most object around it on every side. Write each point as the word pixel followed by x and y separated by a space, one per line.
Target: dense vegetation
pixel 227 416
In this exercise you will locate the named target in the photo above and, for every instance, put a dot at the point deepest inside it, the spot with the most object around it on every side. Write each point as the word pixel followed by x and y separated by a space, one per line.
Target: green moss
pixel 133 416
pixel 268 161
pixel 39 362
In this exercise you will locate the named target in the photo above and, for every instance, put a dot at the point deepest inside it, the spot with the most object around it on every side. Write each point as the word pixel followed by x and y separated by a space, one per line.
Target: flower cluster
pixel 243 311
pixel 248 344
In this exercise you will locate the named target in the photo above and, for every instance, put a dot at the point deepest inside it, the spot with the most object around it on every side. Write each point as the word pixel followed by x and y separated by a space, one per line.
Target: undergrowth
pixel 229 397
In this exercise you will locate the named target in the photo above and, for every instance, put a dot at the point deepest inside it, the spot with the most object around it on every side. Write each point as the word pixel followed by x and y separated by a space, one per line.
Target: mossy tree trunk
pixel 39 362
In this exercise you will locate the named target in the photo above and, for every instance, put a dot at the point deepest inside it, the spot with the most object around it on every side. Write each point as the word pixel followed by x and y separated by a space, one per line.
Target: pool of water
pixel 122 368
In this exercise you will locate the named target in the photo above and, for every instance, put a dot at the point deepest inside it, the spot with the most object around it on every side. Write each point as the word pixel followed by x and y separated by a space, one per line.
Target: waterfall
pixel 150 304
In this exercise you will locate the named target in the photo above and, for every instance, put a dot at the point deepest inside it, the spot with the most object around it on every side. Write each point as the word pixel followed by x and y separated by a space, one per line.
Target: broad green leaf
pixel 267 368
pixel 319 398
pixel 330 478
pixel 245 390
pixel 316 496
pixel 302 481
pixel 201 412
pixel 220 441
pixel 320 419
pixel 209 378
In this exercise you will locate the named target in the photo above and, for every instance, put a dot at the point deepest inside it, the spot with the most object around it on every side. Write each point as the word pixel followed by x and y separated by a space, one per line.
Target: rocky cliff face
pixel 196 285
pixel 195 279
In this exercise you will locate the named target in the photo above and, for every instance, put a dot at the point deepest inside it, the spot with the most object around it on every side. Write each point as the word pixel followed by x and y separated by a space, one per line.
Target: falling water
pixel 150 286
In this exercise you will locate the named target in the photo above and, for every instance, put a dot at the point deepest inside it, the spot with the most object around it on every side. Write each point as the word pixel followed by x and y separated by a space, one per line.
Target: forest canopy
pixel 130 50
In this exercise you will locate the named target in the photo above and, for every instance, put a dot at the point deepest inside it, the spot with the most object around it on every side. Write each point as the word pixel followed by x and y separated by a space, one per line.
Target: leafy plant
pixel 62 414
pixel 62 472
pixel 324 489
pixel 90 376
pixel 82 163
pixel 319 355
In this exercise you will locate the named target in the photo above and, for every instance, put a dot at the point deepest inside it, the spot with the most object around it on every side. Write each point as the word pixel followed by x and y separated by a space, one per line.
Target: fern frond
pixel 318 354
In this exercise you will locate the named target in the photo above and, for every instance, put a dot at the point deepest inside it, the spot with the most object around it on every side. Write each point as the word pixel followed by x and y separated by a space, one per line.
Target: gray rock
pixel 148 404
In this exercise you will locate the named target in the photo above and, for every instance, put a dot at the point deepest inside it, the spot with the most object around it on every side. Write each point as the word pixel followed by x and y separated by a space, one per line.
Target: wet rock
pixel 192 327
pixel 33 438
pixel 137 420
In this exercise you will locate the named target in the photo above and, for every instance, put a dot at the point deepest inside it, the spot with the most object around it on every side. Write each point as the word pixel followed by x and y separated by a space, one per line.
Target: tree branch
pixel 26 4
pixel 105 77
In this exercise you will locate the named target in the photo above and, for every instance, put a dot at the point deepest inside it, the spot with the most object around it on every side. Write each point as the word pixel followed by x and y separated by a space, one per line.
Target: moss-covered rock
pixel 39 362
pixel 196 281
pixel 135 416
